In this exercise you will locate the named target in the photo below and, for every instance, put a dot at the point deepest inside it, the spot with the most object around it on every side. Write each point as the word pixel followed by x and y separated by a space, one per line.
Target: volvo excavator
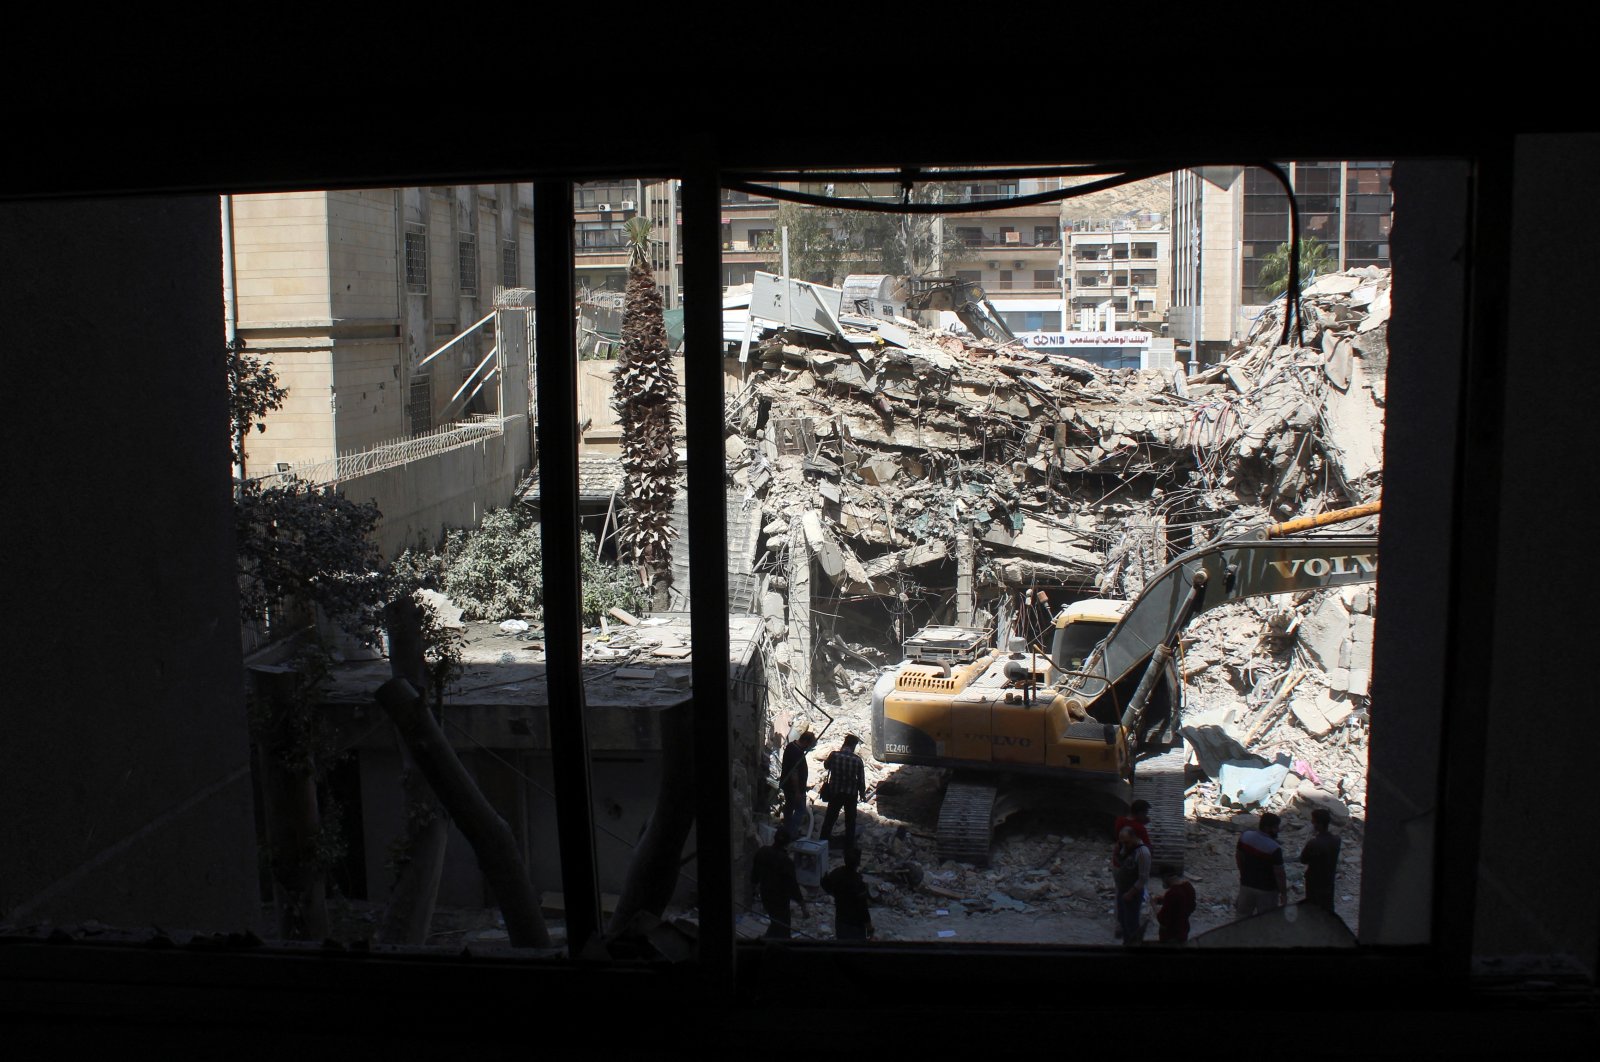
pixel 1103 705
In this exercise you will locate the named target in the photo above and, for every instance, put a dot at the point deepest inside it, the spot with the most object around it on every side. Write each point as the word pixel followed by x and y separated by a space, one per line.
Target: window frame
pixel 282 975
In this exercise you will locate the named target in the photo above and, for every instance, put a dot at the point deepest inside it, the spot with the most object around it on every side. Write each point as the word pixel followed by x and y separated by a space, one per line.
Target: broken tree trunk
pixel 419 859
pixel 653 874
pixel 289 793
pixel 484 829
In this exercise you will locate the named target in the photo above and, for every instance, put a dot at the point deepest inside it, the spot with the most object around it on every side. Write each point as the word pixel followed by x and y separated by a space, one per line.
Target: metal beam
pixel 556 362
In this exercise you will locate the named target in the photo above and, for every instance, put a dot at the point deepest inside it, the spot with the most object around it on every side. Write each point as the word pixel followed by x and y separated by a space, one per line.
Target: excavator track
pixel 966 821
pixel 1160 780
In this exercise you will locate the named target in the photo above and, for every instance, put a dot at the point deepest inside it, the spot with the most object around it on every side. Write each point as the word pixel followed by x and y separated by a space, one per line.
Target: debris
pixel 1247 785
pixel 625 616
pixel 514 626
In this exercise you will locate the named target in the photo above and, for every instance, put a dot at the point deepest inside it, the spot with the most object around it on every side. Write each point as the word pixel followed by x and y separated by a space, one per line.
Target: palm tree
pixel 1315 257
pixel 645 394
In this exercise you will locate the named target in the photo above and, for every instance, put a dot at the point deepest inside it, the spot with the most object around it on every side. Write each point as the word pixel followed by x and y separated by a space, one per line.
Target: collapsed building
pixel 901 476
pixel 923 477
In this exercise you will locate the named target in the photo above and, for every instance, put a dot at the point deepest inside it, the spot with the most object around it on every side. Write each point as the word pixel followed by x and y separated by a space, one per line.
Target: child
pixel 1177 904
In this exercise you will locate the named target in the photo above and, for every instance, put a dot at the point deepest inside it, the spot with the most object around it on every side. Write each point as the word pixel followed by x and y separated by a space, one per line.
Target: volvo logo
pixel 1322 567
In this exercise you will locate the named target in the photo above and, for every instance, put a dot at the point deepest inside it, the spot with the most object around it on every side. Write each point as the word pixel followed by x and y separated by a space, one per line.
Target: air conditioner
pixel 604 208
pixel 1017 264
pixel 627 204
pixel 994 265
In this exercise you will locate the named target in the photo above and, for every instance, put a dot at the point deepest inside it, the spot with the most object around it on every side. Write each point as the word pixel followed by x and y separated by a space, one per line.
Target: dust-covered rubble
pixel 933 478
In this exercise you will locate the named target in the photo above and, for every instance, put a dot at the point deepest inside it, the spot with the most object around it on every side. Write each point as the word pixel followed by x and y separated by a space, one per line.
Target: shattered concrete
pixel 916 477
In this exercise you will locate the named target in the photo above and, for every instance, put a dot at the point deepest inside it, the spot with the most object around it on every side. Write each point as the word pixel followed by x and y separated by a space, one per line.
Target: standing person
pixel 1259 857
pixel 1177 904
pixel 846 785
pixel 1321 857
pixel 851 918
pixel 794 779
pixel 1130 863
pixel 772 873
pixel 1137 819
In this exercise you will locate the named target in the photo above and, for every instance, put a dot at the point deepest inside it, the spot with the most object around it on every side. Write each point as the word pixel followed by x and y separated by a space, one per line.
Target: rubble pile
pixel 910 453
pixel 932 478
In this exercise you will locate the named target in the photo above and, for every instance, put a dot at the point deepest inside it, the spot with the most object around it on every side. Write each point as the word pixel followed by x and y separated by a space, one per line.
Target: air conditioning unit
pixel 627 204
pixel 604 208
pixel 994 265
pixel 1017 264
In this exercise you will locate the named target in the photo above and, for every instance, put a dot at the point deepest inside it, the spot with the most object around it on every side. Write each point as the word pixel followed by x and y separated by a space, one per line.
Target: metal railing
pixel 391 454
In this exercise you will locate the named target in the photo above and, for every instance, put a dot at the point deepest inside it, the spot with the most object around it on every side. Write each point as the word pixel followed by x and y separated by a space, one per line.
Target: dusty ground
pixel 1048 880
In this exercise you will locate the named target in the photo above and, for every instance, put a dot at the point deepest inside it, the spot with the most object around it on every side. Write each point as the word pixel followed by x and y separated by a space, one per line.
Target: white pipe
pixel 486 359
pixel 473 328
pixel 229 298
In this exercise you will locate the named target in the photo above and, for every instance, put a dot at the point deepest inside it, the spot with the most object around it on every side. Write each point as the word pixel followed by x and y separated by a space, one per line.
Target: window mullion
pixel 708 567
pixel 556 363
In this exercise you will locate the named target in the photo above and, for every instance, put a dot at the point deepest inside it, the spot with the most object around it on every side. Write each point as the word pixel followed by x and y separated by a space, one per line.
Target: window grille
pixel 467 259
pixel 416 258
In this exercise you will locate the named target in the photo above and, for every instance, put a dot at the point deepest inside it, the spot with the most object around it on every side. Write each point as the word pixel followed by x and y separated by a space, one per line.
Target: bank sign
pixel 1069 340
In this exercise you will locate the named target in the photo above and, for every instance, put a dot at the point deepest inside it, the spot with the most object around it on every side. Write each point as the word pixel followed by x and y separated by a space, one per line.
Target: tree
pixel 309 545
pixel 253 392
pixel 301 546
pixel 829 243
pixel 497 571
pixel 1315 257
pixel 816 253
pixel 644 394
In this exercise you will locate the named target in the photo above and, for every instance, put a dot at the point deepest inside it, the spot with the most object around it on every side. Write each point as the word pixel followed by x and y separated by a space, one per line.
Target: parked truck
pixel 1103 703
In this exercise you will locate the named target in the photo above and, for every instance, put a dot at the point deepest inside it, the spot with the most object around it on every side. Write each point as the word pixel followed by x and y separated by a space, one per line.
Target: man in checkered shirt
pixel 847 785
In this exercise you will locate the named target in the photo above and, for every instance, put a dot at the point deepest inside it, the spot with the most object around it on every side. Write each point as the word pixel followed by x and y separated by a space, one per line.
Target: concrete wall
pixel 454 489
pixel 363 255
pixel 280 247
pixel 124 769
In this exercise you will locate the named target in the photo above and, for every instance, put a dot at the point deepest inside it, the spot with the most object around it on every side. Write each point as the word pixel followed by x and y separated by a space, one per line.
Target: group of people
pixel 1258 856
pixel 773 872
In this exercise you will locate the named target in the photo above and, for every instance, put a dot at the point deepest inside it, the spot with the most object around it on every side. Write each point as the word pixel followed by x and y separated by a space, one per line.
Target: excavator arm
pixel 967 301
pixel 1233 570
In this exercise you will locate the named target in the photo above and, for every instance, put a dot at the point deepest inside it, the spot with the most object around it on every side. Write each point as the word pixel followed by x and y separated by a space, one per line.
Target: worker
pixel 1137 820
pixel 1321 857
pixel 1177 903
pixel 845 787
pixel 1259 857
pixel 794 779
pixel 852 920
pixel 772 873
pixel 1130 863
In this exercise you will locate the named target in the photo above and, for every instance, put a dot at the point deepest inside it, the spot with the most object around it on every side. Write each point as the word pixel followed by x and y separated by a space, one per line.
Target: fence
pixel 393 453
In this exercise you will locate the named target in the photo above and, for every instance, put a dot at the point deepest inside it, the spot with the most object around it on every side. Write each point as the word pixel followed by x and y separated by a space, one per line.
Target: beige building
pixel 377 309
pixel 1119 269
pixel 349 292
pixel 1226 220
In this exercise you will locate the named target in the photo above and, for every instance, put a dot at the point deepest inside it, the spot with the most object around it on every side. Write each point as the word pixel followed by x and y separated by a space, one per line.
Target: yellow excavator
pixel 1104 703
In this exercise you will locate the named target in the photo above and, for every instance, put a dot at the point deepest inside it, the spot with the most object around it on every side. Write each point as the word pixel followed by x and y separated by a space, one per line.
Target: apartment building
pixel 1228 220
pixel 601 211
pixel 1119 270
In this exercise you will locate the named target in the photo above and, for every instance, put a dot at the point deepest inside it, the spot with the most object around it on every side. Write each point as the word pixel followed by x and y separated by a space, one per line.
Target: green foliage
pixel 253 392
pixel 496 572
pixel 637 229
pixel 301 543
pixel 1315 257
pixel 829 244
